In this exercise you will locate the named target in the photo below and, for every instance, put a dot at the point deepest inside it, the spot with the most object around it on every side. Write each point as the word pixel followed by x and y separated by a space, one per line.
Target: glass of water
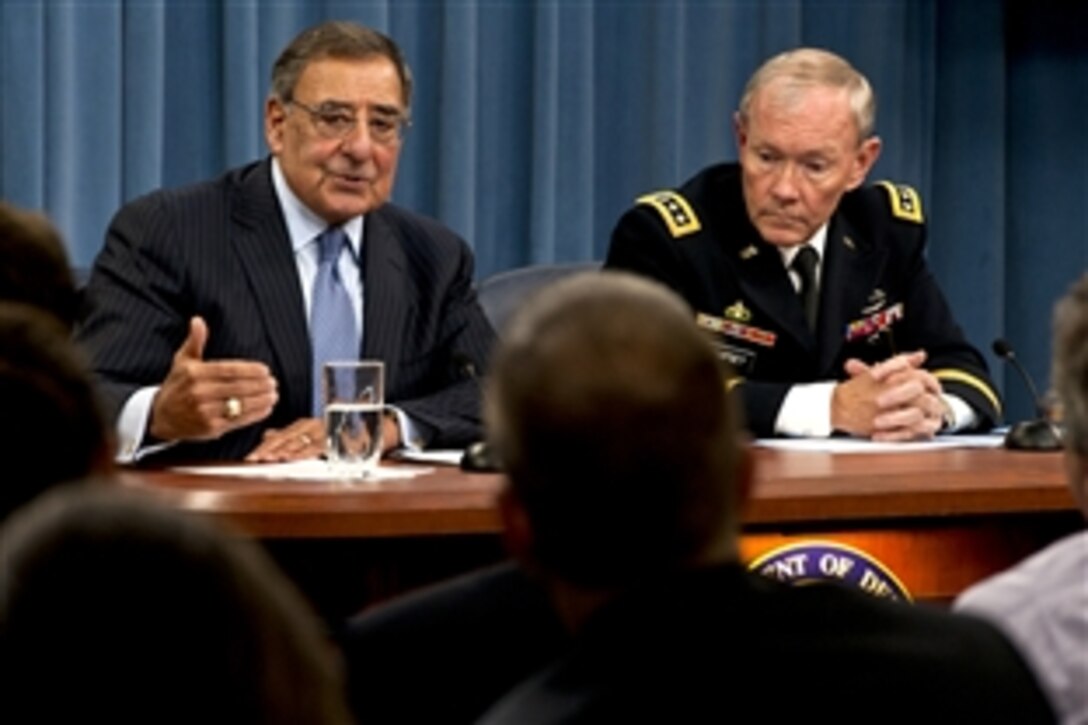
pixel 354 392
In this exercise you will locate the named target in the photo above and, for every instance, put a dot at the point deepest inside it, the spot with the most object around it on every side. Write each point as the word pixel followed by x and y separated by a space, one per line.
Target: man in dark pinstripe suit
pixel 200 300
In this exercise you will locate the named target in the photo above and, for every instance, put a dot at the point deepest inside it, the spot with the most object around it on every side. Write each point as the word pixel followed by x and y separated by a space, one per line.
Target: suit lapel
pixel 385 287
pixel 260 239
pixel 848 278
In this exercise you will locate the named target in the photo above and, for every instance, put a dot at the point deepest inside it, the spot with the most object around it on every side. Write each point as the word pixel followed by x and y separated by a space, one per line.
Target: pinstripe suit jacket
pixel 220 250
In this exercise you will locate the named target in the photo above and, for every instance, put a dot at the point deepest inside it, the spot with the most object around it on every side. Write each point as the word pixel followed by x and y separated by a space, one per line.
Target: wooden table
pixel 939 520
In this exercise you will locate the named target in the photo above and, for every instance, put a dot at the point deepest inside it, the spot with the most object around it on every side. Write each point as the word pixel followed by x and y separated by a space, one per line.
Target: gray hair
pixel 806 67
pixel 336 39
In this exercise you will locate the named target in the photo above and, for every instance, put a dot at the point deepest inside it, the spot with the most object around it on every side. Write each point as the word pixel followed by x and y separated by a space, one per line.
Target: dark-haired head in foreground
pixel 52 429
pixel 116 610
pixel 34 265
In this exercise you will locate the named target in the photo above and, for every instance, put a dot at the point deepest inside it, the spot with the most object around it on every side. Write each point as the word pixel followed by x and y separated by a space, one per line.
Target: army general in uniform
pixel 813 287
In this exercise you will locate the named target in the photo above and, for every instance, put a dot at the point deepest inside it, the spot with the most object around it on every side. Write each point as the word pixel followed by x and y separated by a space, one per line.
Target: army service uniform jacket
pixel 877 295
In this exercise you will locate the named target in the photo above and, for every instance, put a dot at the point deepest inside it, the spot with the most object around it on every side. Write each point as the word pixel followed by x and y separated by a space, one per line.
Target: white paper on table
pixel 860 445
pixel 311 469
pixel 446 457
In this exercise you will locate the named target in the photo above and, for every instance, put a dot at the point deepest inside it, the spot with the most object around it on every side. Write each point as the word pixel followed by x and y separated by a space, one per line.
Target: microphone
pixel 465 367
pixel 478 456
pixel 1038 434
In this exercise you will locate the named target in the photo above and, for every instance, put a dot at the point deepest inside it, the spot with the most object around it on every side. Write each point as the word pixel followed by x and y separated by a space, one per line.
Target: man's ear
pixel 275 117
pixel 517 530
pixel 867 154
pixel 740 132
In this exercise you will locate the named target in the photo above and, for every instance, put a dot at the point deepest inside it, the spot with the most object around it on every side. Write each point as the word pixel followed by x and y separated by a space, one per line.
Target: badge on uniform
pixel 738 312
pixel 742 361
pixel 874 324
pixel 877 299
pixel 736 330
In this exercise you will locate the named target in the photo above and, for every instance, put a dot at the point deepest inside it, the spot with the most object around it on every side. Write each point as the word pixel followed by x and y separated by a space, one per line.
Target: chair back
pixel 503 292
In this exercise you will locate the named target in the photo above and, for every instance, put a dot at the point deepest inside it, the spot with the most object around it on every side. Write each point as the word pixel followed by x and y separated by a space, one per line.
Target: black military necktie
pixel 805 265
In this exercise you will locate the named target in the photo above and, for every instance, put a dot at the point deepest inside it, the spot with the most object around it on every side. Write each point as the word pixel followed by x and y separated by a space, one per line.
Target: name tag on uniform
pixel 742 361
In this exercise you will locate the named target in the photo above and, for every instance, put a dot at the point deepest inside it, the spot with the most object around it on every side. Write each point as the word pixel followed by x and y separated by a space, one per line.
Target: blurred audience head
pixel 51 426
pixel 1070 380
pixel 115 609
pixel 609 410
pixel 34 266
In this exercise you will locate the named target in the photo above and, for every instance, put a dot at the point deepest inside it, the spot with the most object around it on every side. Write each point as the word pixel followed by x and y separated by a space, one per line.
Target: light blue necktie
pixel 333 331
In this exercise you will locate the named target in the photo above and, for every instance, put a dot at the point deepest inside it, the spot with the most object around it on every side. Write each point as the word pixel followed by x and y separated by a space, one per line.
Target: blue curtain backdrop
pixel 538 123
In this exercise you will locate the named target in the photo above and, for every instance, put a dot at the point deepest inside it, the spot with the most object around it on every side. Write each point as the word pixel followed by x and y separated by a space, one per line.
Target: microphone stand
pixel 478 457
pixel 1040 433
pixel 1034 435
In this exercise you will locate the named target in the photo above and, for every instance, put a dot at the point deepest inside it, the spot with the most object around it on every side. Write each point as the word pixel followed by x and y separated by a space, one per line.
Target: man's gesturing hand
pixel 202 400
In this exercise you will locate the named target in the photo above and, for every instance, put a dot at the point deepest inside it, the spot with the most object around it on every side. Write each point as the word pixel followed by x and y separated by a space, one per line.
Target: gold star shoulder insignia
pixel 904 201
pixel 675 211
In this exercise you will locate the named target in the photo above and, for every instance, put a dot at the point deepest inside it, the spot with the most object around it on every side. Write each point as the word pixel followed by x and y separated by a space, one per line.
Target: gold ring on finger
pixel 232 408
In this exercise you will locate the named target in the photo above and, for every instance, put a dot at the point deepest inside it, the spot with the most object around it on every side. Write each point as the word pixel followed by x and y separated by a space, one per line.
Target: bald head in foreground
pixel 626 482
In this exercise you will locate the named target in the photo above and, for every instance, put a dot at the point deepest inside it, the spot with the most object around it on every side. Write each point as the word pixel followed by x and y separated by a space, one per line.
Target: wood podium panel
pixel 939 520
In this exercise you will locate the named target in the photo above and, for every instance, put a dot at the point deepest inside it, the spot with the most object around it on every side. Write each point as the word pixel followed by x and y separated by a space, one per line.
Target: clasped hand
pixel 894 400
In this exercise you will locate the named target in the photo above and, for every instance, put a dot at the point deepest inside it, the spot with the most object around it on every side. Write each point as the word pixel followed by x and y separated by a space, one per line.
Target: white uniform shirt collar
pixel 302 224
pixel 817 241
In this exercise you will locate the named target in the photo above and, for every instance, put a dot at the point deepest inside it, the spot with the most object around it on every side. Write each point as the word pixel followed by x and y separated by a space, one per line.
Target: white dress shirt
pixel 806 409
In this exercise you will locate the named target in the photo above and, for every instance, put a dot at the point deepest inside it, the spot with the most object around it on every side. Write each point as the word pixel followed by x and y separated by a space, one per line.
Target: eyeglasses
pixel 338 121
